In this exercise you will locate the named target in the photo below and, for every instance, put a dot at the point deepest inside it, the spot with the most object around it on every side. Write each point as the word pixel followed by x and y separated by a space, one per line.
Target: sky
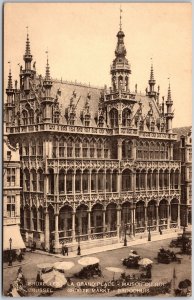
pixel 81 40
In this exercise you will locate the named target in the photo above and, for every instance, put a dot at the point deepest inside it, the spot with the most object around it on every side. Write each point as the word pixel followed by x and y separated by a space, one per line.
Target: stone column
pixel 73 226
pixel 89 224
pixel 157 180
pixel 119 149
pixel 46 231
pixel 111 189
pixel 25 225
pixel 38 222
pixel 118 222
pixel 89 182
pixel 65 183
pixel 96 182
pixel 81 182
pixel 31 220
pixel 104 220
pixel 157 220
pixel 56 233
pixel 73 183
pixel 134 221
pixel 119 175
pixel 168 218
pixel 146 181
pixel 178 215
pixel 134 150
pixel 146 217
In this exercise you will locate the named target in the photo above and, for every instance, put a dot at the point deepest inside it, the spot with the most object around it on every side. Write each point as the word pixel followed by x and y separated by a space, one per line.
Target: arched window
pixel 34 180
pixel 40 180
pixel 33 147
pixel 126 149
pixel 85 148
pixel 61 182
pixel 51 181
pixel 146 150
pixel 126 180
pixel 31 117
pixel 78 181
pixel 126 120
pixel 69 181
pixel 162 151
pixel 69 148
pixel 106 149
pixel 157 151
pixel 41 218
pixel 77 149
pixel 56 118
pixel 34 217
pixel 62 148
pixel 99 149
pixel 54 154
pixel 113 118
pixel 92 148
pixel 40 147
pixel 93 180
pixel 25 117
pixel 85 181
pixel 140 150
pixel 152 150
pixel 27 179
pixel 101 121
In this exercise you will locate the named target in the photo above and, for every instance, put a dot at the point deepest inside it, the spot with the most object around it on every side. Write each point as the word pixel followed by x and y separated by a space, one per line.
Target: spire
pixel 120 24
pixel 151 81
pixel 169 93
pixel 27 44
pixel 152 72
pixel 10 85
pixel 47 76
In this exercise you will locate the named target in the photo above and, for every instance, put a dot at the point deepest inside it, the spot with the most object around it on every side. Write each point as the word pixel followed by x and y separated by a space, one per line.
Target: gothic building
pixel 183 152
pixel 11 198
pixel 93 161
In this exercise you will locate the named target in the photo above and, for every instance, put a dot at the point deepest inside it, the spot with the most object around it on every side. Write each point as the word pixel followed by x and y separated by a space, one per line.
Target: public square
pixel 160 272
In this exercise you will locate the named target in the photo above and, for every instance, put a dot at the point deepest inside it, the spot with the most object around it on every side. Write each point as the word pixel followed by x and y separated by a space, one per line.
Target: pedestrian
pixel 160 230
pixel 66 250
pixel 63 249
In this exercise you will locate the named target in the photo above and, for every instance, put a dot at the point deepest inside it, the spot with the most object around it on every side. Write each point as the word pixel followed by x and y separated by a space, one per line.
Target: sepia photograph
pixel 97 150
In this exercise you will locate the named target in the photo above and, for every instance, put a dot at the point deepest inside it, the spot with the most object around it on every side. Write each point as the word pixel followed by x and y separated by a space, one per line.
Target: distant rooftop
pixel 181 131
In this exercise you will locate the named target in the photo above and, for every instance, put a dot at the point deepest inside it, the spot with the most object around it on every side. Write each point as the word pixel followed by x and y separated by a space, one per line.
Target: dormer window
pixel 56 118
pixel 126 120
pixel 113 118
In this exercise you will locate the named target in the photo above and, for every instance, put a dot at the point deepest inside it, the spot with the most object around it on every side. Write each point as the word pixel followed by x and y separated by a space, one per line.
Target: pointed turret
pixel 47 82
pixel 120 69
pixel 169 114
pixel 10 90
pixel 151 82
pixel 47 100
pixel 27 56
pixel 9 85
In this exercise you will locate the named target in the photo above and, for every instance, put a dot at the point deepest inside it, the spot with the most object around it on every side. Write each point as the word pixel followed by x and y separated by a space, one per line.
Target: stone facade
pixel 93 161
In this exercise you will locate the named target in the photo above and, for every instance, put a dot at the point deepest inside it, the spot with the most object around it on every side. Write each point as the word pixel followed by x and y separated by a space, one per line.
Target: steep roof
pixel 67 89
pixel 182 131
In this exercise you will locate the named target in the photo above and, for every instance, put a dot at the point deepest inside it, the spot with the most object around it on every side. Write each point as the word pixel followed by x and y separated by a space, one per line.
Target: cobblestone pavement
pixel 109 258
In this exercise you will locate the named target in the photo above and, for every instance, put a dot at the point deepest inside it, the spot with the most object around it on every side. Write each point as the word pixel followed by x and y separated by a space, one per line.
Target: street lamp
pixel 78 248
pixel 125 237
pixel 149 230
pixel 10 256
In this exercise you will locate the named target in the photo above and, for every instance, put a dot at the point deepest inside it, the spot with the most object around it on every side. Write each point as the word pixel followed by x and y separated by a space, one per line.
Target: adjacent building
pixel 93 161
pixel 183 151
pixel 11 198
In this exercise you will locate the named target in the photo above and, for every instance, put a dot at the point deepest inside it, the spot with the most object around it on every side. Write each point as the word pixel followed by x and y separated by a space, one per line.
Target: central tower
pixel 120 69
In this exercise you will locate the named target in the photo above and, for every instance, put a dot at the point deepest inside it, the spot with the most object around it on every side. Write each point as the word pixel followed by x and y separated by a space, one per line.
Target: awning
pixel 13 232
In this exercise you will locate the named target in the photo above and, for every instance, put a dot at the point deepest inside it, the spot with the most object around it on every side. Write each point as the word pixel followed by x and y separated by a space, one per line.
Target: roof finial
pixel 169 91
pixel 10 85
pixel 152 70
pixel 27 43
pixel 120 24
pixel 47 67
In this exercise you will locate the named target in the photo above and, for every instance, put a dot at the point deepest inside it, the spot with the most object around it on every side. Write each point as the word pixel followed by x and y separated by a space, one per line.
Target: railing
pixel 89 130
pixel 163 227
pixel 152 228
pixel 81 237
pixel 139 229
pixel 173 225
pixel 66 240
pixel 96 236
pixel 110 234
